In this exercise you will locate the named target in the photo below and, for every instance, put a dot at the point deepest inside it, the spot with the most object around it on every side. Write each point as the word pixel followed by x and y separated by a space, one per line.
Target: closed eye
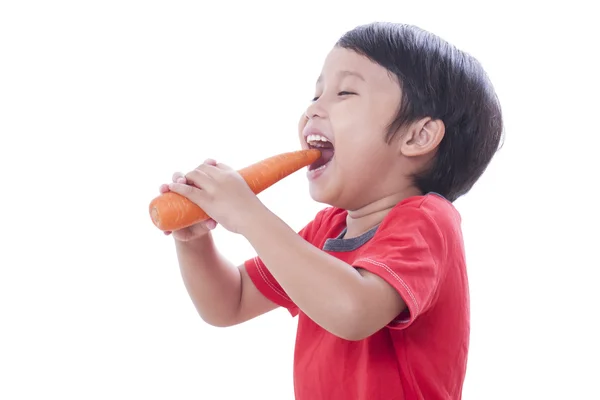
pixel 342 93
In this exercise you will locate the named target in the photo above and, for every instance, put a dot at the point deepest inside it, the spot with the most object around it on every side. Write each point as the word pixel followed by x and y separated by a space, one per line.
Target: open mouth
pixel 326 148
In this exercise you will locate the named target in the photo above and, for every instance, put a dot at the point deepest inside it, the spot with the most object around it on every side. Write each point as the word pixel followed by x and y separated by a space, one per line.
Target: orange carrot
pixel 171 211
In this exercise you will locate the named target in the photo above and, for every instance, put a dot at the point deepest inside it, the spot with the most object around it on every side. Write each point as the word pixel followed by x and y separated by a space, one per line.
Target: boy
pixel 406 124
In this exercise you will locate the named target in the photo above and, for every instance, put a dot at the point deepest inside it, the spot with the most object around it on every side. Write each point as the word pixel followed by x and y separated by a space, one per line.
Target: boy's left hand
pixel 222 193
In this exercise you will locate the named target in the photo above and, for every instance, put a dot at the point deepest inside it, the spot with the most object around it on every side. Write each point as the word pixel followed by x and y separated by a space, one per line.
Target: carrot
pixel 171 211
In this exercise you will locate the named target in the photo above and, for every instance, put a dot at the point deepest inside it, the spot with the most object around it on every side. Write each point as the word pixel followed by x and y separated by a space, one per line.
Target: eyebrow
pixel 344 74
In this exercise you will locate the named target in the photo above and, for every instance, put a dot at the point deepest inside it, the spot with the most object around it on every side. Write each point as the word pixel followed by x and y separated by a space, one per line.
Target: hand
pixel 197 230
pixel 222 193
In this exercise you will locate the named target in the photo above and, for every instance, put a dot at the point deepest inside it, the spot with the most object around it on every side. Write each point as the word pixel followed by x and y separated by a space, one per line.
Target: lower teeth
pixel 320 168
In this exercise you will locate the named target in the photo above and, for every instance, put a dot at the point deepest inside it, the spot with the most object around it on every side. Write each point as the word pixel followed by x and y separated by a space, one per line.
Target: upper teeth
pixel 315 139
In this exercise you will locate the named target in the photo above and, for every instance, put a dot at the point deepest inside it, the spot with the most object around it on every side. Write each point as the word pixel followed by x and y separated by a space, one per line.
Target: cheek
pixel 301 124
pixel 384 112
pixel 362 150
pixel 352 123
pixel 359 133
pixel 360 136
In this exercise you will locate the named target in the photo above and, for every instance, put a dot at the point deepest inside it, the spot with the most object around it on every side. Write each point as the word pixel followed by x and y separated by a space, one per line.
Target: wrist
pixel 257 220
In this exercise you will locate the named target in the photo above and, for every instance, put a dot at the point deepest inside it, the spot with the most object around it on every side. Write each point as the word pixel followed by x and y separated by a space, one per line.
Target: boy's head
pixel 406 113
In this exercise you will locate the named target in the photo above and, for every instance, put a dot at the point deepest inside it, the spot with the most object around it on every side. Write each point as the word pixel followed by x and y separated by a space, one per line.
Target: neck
pixel 361 220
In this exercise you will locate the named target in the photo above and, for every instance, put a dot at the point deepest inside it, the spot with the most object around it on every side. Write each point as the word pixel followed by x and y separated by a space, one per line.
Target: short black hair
pixel 442 82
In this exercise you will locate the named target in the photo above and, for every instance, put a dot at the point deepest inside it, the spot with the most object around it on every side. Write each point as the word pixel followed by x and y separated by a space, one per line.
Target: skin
pixel 352 109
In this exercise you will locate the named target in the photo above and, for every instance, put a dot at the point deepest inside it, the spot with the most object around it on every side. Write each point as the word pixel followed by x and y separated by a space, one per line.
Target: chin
pixel 319 195
pixel 324 196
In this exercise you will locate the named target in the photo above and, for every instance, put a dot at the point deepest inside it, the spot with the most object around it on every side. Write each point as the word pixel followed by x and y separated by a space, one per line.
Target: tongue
pixel 326 156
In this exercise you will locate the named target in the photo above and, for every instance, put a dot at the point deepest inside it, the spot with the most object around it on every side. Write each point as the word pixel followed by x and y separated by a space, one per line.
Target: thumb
pixel 210 224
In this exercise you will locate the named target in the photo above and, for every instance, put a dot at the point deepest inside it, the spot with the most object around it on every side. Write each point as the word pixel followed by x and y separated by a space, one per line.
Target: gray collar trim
pixel 340 244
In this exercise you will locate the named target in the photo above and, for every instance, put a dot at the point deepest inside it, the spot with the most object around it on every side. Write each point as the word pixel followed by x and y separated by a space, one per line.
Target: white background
pixel 100 102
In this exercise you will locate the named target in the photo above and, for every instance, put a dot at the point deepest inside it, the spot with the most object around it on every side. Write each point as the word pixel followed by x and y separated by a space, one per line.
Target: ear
pixel 422 137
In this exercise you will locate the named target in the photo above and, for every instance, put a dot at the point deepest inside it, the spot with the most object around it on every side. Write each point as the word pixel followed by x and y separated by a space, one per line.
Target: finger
pixel 203 227
pixel 178 177
pixel 208 161
pixel 182 235
pixel 207 177
pixel 208 168
pixel 224 167
pixel 192 193
pixel 214 173
pixel 183 189
pixel 197 230
pixel 164 188
pixel 210 224
pixel 198 178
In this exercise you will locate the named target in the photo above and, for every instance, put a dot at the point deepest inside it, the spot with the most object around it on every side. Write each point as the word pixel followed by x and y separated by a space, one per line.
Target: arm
pixel 350 303
pixel 222 294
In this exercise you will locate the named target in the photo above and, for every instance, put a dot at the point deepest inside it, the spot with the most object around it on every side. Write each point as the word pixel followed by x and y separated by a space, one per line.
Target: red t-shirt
pixel 422 354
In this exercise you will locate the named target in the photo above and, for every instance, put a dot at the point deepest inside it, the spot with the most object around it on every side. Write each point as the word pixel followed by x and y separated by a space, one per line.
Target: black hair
pixel 442 82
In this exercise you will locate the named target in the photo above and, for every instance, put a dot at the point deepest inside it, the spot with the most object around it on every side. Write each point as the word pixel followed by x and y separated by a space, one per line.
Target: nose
pixel 316 110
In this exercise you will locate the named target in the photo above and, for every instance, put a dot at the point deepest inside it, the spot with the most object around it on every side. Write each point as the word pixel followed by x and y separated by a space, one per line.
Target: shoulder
pixel 429 219
pixel 430 208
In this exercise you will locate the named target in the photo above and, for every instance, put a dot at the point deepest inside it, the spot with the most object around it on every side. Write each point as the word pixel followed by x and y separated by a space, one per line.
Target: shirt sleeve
pixel 266 283
pixel 408 252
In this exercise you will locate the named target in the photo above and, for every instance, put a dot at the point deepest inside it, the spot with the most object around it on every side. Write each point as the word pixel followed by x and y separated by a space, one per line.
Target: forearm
pixel 324 287
pixel 213 283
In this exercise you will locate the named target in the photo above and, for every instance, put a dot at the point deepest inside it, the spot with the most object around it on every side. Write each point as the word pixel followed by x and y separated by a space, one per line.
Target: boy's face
pixel 355 100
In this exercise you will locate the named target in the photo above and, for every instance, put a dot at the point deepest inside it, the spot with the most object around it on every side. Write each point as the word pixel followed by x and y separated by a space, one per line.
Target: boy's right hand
pixel 191 232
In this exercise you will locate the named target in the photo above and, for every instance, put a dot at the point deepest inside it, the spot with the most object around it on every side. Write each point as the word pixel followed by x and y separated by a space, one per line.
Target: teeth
pixel 316 140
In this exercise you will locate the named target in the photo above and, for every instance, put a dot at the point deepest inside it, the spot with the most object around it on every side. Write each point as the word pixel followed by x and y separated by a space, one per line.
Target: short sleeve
pixel 408 252
pixel 266 283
